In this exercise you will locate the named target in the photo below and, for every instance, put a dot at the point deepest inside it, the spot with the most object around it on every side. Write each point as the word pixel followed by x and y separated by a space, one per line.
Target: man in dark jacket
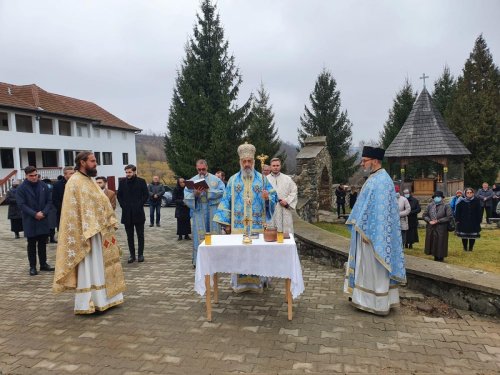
pixel 58 191
pixel 340 194
pixel 485 196
pixel 156 191
pixel 132 195
pixel 34 199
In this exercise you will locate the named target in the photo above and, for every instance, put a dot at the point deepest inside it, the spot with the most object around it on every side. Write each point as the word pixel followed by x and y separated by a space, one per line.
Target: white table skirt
pixel 228 254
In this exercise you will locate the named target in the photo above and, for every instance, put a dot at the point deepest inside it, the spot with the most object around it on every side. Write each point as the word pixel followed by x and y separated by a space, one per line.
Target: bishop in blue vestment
pixel 248 195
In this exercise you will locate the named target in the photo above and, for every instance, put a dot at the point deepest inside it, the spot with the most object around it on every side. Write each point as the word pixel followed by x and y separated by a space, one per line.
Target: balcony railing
pixel 6 184
pixel 50 172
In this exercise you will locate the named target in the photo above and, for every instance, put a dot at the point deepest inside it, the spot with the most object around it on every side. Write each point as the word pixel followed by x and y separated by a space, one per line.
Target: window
pixel 109 133
pixel 124 135
pixel 49 158
pixel 125 158
pixel 97 157
pixel 69 159
pixel 7 156
pixel 82 130
pixel 97 133
pixel 107 158
pixel 4 121
pixel 24 124
pixel 65 128
pixel 46 126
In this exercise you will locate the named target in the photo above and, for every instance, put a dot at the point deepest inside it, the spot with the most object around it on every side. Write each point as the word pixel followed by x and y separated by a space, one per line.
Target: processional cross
pixel 423 78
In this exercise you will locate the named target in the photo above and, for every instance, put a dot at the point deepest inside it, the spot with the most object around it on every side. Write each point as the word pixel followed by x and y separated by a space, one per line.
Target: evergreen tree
pixel 401 108
pixel 261 131
pixel 474 114
pixel 444 89
pixel 205 121
pixel 325 118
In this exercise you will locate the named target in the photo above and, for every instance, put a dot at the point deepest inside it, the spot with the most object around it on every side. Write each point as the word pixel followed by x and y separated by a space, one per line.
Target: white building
pixel 47 130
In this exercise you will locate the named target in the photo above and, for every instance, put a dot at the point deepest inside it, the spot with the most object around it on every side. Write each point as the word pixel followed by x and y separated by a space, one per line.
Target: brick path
pixel 161 328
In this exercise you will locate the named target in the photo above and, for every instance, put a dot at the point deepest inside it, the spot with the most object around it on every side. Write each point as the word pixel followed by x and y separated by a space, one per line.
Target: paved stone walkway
pixel 161 327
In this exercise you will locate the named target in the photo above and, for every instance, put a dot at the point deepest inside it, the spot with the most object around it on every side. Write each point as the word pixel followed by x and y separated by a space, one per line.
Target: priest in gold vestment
pixel 88 255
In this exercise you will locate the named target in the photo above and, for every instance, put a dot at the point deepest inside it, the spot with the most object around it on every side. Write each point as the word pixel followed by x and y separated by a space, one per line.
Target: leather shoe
pixel 131 260
pixel 140 258
pixel 46 267
pixel 151 225
pixel 33 271
pixel 158 225
pixel 186 237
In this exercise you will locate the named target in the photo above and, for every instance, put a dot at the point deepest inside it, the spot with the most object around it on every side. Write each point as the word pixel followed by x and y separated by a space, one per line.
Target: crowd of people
pixel 82 209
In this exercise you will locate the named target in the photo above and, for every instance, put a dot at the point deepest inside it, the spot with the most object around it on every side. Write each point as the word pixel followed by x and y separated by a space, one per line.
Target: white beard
pixel 247 172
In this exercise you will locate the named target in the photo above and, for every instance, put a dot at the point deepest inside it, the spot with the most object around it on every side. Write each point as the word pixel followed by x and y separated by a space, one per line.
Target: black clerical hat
pixel 373 152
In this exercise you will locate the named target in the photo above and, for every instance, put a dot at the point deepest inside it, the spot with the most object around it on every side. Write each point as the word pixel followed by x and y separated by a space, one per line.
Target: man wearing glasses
pixel 376 261
pixel 203 203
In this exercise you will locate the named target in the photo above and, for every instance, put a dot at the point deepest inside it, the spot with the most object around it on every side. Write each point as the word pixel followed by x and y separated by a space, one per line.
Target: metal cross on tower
pixel 424 77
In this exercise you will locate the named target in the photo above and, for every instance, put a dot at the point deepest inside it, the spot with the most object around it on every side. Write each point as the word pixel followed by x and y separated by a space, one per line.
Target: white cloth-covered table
pixel 228 254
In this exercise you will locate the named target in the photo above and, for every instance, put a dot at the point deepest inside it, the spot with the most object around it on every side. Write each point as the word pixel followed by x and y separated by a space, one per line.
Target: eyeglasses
pixel 363 161
pixel 201 169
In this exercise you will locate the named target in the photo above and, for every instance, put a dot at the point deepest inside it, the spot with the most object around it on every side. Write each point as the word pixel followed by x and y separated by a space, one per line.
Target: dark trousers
pixel 339 206
pixel 42 250
pixel 488 213
pixel 139 228
pixel 154 207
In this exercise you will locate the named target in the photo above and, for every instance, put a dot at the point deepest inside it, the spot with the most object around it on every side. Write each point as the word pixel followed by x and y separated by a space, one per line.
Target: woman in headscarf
pixel 181 211
pixel 437 215
pixel 468 219
pixel 412 233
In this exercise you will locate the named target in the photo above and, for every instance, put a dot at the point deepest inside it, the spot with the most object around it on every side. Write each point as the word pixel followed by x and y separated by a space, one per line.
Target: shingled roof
pixel 425 133
pixel 34 98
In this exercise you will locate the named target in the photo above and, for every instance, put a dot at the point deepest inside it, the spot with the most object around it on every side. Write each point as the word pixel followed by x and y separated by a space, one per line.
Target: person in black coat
pixel 181 211
pixel 34 199
pixel 53 223
pixel 353 197
pixel 58 191
pixel 14 213
pixel 132 195
pixel 468 217
pixel 340 194
pixel 412 233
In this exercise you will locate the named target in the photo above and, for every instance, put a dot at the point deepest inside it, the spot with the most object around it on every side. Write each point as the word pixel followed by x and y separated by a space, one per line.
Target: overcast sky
pixel 123 55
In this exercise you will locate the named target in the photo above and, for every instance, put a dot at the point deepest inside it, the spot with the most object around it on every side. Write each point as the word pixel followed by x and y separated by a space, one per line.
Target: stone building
pixel 313 179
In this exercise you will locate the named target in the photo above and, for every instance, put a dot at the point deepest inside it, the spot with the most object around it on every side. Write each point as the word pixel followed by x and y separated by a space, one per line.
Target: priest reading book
pixel 197 184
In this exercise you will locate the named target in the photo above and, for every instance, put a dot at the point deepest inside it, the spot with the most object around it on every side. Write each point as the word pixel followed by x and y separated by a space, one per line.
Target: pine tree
pixel 325 118
pixel 401 108
pixel 444 89
pixel 474 114
pixel 261 131
pixel 205 121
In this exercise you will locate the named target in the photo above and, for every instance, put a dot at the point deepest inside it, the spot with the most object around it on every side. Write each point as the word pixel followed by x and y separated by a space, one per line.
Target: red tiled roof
pixel 33 98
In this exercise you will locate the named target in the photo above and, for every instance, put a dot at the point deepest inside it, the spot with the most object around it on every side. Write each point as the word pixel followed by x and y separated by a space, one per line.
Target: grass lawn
pixel 486 254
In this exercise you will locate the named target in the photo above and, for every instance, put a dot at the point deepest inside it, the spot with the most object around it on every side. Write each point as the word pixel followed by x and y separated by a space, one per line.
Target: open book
pixel 196 184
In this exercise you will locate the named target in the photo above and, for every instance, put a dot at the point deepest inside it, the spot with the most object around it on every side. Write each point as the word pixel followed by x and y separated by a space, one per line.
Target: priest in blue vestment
pixel 203 204
pixel 250 196
pixel 376 263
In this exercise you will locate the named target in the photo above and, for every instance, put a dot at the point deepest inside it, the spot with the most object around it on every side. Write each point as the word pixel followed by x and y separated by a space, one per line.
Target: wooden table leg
pixel 208 298
pixel 289 298
pixel 216 288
